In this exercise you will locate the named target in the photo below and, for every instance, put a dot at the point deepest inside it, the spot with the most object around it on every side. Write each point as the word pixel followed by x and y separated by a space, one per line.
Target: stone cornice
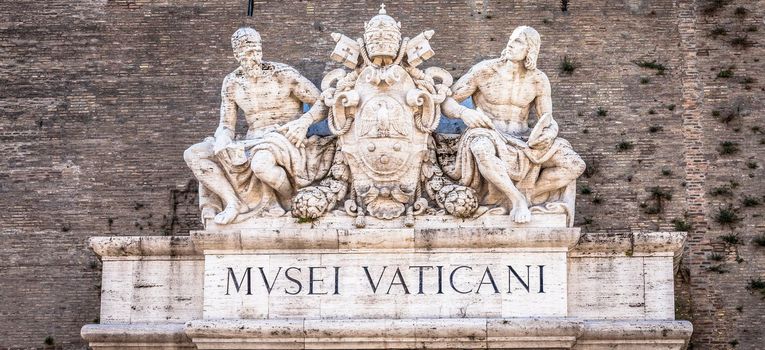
pixel 135 334
pixel 630 244
pixel 538 220
pixel 405 239
pixel 141 246
pixel 391 334
pixel 426 333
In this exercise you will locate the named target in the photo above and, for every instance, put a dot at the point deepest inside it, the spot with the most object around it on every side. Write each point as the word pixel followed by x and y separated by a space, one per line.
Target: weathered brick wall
pixel 728 41
pixel 100 98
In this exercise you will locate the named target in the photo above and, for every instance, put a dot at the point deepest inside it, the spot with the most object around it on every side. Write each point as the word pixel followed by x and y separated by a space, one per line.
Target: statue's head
pixel 247 48
pixel 523 46
pixel 382 36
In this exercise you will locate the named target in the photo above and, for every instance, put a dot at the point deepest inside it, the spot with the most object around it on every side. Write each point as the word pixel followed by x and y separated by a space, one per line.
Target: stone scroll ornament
pixel 384 111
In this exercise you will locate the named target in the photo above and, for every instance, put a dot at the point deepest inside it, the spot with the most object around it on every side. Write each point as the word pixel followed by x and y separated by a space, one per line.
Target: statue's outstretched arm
pixel 304 90
pixel 465 87
pixel 308 93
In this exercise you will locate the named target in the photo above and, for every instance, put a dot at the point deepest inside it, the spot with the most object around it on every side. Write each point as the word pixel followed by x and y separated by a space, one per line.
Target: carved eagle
pixel 380 118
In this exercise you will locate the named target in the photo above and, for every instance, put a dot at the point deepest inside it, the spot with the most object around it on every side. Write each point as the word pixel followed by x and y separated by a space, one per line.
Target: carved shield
pixel 385 143
pixel 384 146
pixel 383 132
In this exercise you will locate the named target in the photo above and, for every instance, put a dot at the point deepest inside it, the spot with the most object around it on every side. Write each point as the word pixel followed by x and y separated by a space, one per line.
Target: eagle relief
pixel 384 158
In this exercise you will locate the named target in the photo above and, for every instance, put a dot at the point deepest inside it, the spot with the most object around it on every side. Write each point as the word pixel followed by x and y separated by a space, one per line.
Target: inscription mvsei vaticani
pixel 416 279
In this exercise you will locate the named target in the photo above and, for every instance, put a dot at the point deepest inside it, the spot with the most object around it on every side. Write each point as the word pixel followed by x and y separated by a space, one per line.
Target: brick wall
pixel 100 98
pixel 725 313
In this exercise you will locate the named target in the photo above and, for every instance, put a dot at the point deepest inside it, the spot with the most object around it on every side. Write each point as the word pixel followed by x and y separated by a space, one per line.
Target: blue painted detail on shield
pixel 446 126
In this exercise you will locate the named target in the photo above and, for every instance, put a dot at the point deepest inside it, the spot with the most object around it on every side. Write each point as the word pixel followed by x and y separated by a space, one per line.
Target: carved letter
pixel 421 269
pixel 294 280
pixel 337 280
pixel 238 285
pixel 440 279
pixel 372 284
pixel 270 286
pixel 311 280
pixel 510 278
pixel 491 279
pixel 541 278
pixel 451 279
pixel 401 282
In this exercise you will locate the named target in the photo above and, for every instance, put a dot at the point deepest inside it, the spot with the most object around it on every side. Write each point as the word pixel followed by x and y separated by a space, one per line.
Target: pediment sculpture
pixel 385 158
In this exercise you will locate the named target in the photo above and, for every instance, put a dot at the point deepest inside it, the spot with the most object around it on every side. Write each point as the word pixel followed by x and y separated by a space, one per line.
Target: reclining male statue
pixel 259 173
pixel 499 156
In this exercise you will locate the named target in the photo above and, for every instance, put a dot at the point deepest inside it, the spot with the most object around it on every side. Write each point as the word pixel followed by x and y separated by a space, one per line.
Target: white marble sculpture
pixel 385 159
pixel 259 173
pixel 499 155
pixel 384 111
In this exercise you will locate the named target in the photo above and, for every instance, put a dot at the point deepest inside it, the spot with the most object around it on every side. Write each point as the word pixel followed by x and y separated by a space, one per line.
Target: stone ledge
pixel 380 240
pixel 403 239
pixel 636 330
pixel 630 244
pixel 131 246
pixel 437 333
pixel 472 333
pixel 429 221
pixel 168 336
pixel 334 241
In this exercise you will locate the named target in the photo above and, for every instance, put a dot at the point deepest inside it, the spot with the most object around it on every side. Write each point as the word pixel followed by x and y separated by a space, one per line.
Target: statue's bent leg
pixel 209 174
pixel 210 204
pixel 494 170
pixel 275 178
pixel 558 171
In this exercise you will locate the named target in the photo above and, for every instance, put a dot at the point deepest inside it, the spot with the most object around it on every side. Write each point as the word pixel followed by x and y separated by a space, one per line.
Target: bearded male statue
pixel 499 156
pixel 259 173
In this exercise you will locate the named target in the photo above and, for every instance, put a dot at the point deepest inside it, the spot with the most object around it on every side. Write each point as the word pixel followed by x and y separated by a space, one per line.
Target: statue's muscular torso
pixel 273 98
pixel 502 95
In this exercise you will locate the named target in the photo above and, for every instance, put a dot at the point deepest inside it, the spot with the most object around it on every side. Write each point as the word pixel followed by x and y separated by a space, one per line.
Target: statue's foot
pixel 227 215
pixel 361 221
pixel 520 214
pixel 208 213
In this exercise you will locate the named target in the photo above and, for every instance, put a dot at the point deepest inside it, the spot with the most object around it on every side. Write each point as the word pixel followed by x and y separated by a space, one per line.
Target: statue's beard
pixel 504 56
pixel 252 68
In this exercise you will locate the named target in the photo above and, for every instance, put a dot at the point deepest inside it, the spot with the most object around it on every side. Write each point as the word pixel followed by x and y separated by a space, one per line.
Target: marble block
pixel 342 287
pixel 385 285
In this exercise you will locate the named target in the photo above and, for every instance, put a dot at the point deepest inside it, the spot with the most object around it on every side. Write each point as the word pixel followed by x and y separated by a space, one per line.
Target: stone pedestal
pixel 485 283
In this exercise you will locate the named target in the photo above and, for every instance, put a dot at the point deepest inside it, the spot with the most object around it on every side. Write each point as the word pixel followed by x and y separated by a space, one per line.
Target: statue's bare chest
pixel 252 94
pixel 504 89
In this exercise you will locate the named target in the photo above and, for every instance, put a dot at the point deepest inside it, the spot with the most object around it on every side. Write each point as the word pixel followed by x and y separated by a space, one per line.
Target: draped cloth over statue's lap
pixel 303 165
pixel 523 165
